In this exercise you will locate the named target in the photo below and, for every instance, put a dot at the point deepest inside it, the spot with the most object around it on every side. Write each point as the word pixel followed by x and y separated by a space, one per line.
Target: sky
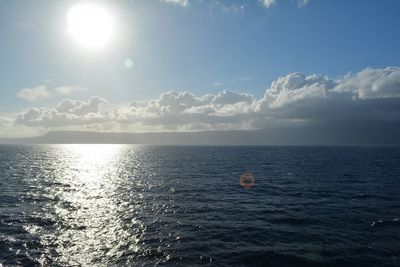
pixel 186 65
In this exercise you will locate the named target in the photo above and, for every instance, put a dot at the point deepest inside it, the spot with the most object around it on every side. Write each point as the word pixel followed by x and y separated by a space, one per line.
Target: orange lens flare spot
pixel 247 180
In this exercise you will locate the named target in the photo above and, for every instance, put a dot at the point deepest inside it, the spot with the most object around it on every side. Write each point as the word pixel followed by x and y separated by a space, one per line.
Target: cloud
pixel 11 129
pixel 268 3
pixel 372 83
pixel 296 87
pixel 33 94
pixel 226 6
pixel 371 94
pixel 41 92
pixel 177 2
pixel 69 90
pixel 183 110
pixel 236 7
pixel 217 84
pixel 67 112
pixel 294 99
pixel 228 98
pixel 303 2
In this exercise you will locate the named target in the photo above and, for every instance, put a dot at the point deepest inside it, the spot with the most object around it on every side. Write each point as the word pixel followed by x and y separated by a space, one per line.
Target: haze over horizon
pixel 189 66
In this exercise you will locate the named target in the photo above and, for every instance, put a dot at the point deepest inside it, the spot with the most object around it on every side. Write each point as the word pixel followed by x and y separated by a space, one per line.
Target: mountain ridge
pixel 334 133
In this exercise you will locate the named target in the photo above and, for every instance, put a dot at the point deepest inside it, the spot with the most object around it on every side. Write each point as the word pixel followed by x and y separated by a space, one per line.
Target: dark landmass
pixel 334 133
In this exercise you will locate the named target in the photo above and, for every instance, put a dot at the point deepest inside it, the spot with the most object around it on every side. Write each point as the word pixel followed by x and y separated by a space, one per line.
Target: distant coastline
pixel 340 133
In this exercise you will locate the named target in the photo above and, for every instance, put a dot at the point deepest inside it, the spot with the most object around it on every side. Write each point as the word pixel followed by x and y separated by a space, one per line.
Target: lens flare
pixel 128 63
pixel 247 180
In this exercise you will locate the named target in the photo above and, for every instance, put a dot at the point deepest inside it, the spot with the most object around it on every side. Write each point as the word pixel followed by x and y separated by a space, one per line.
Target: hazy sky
pixel 198 65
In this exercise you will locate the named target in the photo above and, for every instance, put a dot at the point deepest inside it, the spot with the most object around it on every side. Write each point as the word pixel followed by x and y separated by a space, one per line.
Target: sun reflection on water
pixel 88 225
pixel 91 163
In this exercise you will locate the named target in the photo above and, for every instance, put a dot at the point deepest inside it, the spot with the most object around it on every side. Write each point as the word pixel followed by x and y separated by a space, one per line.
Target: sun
pixel 90 25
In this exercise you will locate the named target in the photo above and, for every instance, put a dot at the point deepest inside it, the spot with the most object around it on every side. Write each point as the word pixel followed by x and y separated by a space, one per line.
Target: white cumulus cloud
pixel 67 112
pixel 371 94
pixel 372 83
pixel 296 87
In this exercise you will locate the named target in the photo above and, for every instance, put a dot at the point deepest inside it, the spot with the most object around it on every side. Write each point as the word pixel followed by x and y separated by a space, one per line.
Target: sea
pixel 142 205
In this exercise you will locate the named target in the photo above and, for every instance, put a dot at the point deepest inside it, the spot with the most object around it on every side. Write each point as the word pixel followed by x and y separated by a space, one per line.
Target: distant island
pixel 339 133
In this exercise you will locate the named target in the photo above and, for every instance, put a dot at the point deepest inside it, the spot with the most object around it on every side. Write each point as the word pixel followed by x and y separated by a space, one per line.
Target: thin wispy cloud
pixel 270 3
pixel 217 84
pixel 303 2
pixel 34 94
pixel 177 2
pixel 234 80
pixel 42 92
pixel 69 90
pixel 233 7
pixel 226 6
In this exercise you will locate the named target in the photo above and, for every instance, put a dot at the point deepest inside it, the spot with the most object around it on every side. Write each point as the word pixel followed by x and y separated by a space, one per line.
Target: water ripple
pixel 177 206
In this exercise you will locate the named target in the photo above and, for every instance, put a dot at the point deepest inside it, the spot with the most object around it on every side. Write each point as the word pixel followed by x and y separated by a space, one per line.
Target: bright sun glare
pixel 90 25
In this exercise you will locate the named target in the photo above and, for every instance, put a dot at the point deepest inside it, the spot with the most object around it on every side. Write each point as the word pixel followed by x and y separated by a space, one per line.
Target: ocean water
pixel 126 205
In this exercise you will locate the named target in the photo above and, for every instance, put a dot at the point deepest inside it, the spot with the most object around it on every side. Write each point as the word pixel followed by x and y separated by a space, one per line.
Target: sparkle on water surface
pixel 89 206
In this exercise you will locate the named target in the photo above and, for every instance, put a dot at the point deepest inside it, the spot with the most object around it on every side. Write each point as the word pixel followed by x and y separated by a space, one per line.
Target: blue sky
pixel 202 47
